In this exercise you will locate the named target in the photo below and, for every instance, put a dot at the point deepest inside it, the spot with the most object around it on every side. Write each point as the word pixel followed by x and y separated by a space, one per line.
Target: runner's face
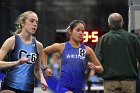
pixel 31 23
pixel 77 32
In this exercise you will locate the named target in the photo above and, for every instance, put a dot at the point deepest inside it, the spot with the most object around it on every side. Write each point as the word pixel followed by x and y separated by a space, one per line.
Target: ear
pixel 69 32
pixel 22 23
pixel 122 23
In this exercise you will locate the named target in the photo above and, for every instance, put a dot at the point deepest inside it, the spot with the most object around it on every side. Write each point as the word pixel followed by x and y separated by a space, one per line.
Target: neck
pixel 25 36
pixel 74 43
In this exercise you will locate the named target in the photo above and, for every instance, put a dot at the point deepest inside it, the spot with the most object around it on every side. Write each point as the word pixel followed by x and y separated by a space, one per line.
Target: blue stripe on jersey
pixel 22 76
pixel 73 62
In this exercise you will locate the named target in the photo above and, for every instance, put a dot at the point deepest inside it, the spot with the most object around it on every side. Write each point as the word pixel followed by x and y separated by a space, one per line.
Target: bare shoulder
pixel 59 45
pixel 39 46
pixel 56 47
pixel 10 40
pixel 88 50
pixel 9 43
pixel 62 46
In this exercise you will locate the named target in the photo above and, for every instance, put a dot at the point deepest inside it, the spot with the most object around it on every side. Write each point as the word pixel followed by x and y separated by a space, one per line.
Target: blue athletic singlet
pixel 73 61
pixel 22 76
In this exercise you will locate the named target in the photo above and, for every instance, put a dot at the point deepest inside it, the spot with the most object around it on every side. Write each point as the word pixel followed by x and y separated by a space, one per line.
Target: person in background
pixel 118 51
pixel 54 63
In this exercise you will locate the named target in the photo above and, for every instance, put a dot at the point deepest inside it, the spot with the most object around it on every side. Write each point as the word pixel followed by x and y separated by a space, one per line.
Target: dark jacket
pixel 117 51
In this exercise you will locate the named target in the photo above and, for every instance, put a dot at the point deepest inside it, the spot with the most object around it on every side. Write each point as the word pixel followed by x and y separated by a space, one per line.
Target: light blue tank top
pixel 22 76
pixel 73 61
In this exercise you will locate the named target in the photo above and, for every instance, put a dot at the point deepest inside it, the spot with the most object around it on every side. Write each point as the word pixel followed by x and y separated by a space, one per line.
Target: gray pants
pixel 119 86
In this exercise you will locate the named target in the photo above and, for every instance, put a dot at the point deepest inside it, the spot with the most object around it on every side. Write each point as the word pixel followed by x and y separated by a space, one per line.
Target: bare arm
pixel 50 49
pixel 92 57
pixel 6 47
pixel 38 71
